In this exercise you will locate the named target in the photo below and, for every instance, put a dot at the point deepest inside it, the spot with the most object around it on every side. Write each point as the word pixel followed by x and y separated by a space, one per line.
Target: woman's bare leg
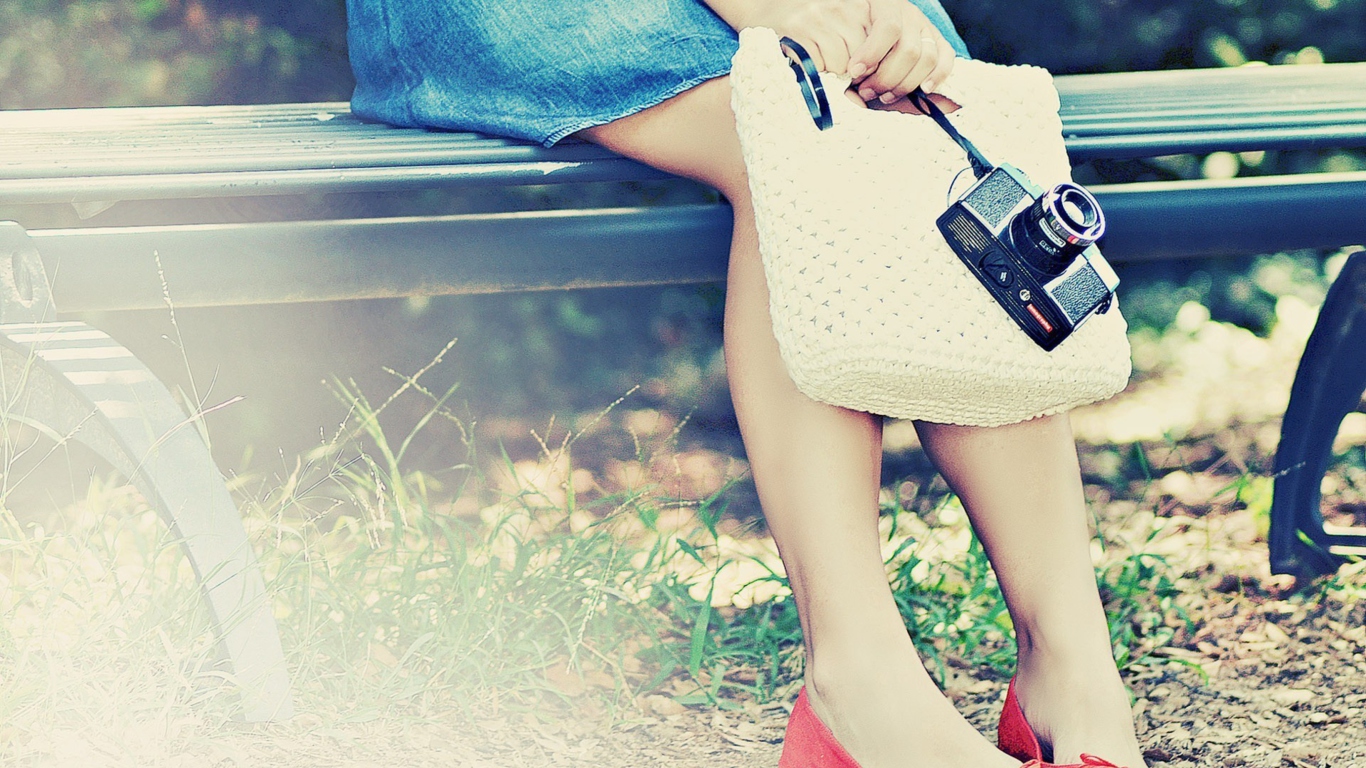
pixel 817 469
pixel 1022 489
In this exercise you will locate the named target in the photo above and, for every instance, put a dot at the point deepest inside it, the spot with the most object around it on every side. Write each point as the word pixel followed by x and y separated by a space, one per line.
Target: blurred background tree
pixel 63 53
pixel 1123 35
pixel 568 352
pixel 68 53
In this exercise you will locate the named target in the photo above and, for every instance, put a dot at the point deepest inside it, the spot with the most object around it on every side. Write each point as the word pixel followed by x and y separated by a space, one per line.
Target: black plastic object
pixel 813 90
pixel 1328 386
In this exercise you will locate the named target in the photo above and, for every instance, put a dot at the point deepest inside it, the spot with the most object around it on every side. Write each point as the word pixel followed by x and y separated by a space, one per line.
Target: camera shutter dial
pixel 997 266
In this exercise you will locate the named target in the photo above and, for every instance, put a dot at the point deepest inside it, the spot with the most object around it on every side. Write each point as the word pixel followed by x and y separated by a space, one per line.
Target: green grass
pixel 477 589
pixel 400 606
pixel 101 622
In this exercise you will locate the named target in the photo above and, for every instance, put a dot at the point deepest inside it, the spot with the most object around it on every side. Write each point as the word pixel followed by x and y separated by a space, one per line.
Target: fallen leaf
pixel 664 706
pixel 1275 634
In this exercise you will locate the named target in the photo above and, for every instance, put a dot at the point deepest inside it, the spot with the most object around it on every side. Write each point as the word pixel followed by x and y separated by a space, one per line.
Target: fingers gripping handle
pixel 818 104
pixel 25 294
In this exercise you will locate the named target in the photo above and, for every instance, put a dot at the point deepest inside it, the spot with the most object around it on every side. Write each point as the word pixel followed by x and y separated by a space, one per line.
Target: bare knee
pixel 691 135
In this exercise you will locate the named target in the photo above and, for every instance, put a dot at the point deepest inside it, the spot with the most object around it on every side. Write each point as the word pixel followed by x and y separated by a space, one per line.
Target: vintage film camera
pixel 1033 249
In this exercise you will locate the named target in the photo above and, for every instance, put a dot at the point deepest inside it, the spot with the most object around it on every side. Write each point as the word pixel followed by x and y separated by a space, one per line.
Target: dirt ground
pixel 1272 692
pixel 1264 677
pixel 1267 686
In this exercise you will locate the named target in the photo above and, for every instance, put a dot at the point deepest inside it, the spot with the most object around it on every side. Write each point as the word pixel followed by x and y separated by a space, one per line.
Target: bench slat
pixel 227 264
pixel 158 152
pixel 1231 140
pixel 384 158
pixel 282 262
pixel 255 183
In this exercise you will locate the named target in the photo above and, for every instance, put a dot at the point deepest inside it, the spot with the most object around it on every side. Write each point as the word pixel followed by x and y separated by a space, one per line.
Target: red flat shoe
pixel 808 743
pixel 1013 734
pixel 1016 738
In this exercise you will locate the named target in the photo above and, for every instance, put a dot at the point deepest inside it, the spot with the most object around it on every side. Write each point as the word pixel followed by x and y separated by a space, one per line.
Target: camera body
pixel 1034 250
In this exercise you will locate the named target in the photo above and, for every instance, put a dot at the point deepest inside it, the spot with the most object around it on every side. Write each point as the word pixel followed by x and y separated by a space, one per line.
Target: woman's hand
pixel 901 51
pixel 887 47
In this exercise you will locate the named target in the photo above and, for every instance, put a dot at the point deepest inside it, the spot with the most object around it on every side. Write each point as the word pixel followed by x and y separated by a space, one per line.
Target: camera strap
pixel 980 165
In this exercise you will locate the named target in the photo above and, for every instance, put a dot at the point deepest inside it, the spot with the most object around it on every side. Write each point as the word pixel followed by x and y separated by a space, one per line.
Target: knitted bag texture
pixel 871 308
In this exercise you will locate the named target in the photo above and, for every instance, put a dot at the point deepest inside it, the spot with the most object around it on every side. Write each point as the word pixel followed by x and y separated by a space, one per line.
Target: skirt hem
pixel 652 101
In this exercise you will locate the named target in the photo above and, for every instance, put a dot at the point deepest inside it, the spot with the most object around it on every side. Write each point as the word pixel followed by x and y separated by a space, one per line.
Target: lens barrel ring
pixel 1057 227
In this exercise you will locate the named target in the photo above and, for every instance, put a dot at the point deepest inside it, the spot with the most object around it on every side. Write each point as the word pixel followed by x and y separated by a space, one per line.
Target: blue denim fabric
pixel 537 69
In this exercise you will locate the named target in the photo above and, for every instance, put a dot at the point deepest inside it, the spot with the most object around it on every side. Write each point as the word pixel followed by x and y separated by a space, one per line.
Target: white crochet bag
pixel 871 308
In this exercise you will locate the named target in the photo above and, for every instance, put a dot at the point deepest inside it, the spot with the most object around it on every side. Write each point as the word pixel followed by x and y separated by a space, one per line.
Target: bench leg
pixel 73 382
pixel 1328 385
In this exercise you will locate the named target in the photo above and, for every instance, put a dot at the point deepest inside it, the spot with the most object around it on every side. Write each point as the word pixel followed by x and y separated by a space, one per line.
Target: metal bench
pixel 74 383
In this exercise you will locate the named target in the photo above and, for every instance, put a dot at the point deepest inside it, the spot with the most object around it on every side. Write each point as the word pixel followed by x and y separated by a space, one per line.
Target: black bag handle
pixel 810 81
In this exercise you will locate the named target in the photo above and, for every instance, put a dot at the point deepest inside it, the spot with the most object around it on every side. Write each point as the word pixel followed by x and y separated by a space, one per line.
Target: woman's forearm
pixel 739 13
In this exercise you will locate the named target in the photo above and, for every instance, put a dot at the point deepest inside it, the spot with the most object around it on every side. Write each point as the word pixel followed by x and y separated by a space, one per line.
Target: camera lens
pixel 1057 227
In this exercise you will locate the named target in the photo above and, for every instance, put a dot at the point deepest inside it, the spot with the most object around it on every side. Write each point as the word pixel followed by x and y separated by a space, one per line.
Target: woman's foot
pixel 1075 701
pixel 886 712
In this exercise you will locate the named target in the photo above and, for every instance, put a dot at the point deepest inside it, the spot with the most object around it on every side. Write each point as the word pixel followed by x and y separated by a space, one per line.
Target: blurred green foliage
pixel 69 53
pixel 1125 35
pixel 108 52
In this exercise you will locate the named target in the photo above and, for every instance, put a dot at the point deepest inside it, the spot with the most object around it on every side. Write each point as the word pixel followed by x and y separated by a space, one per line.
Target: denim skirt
pixel 537 69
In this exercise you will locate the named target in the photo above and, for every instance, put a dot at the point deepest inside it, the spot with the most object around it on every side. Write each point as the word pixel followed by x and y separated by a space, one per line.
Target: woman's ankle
pixel 1083 672
pixel 855 639
pixel 853 668
pixel 1067 637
